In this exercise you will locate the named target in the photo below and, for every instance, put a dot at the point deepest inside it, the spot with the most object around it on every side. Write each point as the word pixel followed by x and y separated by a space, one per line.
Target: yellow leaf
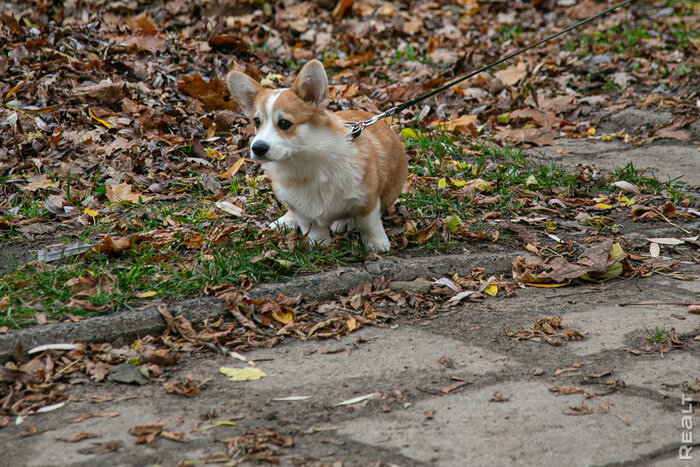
pixel 242 374
pixel 98 119
pixel 410 229
pixel 408 133
pixel 453 222
pixel 219 423
pixel 616 251
pixel 233 169
pixel 442 183
pixel 491 289
pixel 614 269
pixel 479 184
pixel 91 212
pixel 602 206
pixel 146 294
pixel 351 324
pixel 269 80
pixel 17 87
pixel 283 263
pixel 214 154
pixel 625 201
pixel 591 131
pixel 284 317
pixel 549 225
pixel 532 181
pixel 458 183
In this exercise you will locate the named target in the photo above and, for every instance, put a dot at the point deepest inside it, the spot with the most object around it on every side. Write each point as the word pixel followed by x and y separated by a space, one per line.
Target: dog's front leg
pixel 372 230
pixel 285 222
pixel 318 234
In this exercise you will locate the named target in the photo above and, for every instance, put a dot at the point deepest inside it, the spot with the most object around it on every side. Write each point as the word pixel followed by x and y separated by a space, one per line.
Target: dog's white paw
pixel 319 237
pixel 285 222
pixel 378 244
pixel 343 226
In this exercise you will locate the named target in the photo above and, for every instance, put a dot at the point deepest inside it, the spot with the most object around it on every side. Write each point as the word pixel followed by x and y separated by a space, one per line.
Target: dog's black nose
pixel 260 148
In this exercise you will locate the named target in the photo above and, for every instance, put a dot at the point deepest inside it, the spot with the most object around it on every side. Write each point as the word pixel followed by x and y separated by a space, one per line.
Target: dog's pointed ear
pixel 312 84
pixel 244 89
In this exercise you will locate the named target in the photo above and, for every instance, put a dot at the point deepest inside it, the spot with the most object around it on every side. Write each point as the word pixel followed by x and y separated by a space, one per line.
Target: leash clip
pixel 355 129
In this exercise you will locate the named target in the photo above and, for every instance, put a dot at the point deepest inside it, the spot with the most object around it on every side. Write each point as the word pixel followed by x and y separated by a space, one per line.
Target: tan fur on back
pixel 386 168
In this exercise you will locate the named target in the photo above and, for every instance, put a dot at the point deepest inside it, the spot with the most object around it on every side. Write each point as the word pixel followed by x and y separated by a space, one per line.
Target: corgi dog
pixel 326 180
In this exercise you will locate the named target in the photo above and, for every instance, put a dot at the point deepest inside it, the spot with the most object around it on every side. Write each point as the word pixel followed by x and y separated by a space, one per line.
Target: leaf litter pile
pixel 122 156
pixel 123 160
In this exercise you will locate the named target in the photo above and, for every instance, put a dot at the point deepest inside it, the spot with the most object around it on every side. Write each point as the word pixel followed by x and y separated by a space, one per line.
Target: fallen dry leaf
pixel 146 434
pixel 452 387
pixel 242 374
pixel 549 329
pixel 182 387
pixel 122 193
pixel 498 397
pixel 102 448
pixel 513 74
pixel 77 437
pixel 536 136
pixel 212 93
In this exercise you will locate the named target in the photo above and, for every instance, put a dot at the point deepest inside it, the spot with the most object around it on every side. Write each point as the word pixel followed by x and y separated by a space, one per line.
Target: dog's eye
pixel 284 124
pixel 256 122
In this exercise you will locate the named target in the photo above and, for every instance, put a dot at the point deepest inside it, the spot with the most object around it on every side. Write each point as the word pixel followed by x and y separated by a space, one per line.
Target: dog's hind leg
pixel 372 230
pixel 285 222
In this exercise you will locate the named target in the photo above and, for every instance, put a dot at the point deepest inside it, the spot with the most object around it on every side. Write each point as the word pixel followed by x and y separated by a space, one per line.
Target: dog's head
pixel 284 119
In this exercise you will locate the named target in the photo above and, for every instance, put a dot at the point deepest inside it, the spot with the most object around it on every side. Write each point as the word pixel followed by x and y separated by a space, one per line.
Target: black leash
pixel 357 127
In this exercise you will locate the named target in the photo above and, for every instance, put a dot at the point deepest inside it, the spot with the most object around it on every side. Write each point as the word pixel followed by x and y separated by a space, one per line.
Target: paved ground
pixel 502 409
pixel 409 421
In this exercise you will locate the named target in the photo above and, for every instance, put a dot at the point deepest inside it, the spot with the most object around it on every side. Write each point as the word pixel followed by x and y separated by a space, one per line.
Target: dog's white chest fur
pixel 321 181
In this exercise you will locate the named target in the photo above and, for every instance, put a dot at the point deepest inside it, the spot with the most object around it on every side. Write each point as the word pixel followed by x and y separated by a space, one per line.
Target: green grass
pixel 441 166
pixel 407 54
pixel 443 162
pixel 675 188
pixel 440 155
pixel 683 70
pixel 628 38
pixel 509 31
pixel 656 335
pixel 172 271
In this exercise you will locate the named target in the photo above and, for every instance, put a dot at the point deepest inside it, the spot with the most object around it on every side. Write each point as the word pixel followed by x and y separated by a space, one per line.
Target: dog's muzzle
pixel 259 149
